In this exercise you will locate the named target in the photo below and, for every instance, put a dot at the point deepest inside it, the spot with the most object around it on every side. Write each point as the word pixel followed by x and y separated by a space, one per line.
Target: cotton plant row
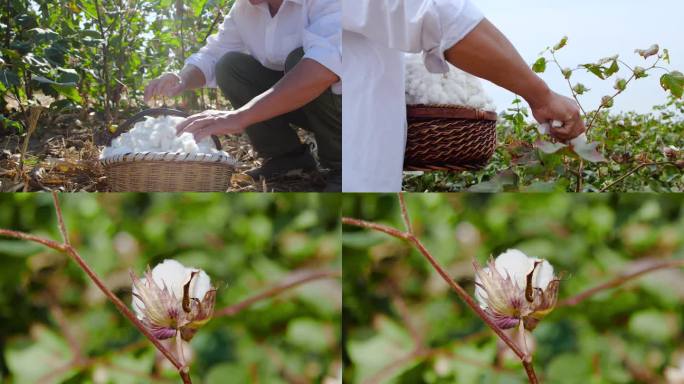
pixel 514 292
pixel 158 135
pixel 455 87
pixel 605 69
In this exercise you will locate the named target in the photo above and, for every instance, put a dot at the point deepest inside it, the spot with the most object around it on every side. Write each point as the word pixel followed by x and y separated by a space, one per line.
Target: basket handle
pixel 154 112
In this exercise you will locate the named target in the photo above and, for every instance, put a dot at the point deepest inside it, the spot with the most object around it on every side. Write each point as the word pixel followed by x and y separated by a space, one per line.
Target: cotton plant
pixel 580 145
pixel 173 301
pixel 516 291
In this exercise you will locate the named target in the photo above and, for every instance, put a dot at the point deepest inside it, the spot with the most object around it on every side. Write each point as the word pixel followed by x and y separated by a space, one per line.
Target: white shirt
pixel 375 35
pixel 311 24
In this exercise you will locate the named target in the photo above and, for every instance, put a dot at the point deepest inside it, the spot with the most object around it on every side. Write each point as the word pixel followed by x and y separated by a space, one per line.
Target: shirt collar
pixel 265 6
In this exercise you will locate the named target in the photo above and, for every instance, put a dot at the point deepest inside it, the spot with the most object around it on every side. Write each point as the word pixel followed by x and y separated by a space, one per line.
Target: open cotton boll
pixel 456 87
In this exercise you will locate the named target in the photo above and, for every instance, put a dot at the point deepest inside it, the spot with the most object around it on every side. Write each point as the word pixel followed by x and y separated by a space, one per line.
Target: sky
pixel 595 29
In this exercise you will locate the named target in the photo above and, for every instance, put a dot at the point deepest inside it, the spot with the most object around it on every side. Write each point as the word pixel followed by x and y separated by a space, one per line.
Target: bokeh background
pixel 50 313
pixel 393 299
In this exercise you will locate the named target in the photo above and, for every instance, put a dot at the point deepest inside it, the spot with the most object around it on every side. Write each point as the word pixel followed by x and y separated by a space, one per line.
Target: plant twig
pixel 634 170
pixel 296 279
pixel 121 307
pixel 525 358
pixel 619 280
pixel 404 213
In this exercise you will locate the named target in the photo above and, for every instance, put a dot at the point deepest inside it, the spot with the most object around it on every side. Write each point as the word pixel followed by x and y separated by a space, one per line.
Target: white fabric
pixel 375 33
pixel 311 24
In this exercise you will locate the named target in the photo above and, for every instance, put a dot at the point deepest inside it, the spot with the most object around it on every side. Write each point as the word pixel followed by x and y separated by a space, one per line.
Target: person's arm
pixel 316 72
pixel 485 52
pixel 305 82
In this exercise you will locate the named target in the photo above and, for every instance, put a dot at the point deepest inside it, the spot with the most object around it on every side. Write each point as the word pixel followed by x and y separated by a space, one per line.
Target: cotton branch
pixel 121 307
pixel 525 358
pixel 619 280
pixel 294 280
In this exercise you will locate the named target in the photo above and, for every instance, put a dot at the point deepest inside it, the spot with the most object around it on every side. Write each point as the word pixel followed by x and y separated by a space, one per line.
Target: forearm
pixel 486 52
pixel 192 77
pixel 305 82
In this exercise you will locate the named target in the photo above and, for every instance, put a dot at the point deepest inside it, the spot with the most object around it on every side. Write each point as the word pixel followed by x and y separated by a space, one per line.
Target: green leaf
pixel 309 335
pixel 569 369
pixel 673 82
pixel 539 66
pixel 595 69
pixel 18 248
pixel 388 343
pixel 653 325
pixel 228 372
pixel 9 78
pixel 548 147
pixel 46 353
pixel 561 44
pixel 589 152
pixel 612 69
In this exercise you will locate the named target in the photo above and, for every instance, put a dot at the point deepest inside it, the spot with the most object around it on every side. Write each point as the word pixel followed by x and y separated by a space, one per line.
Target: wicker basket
pixel 164 171
pixel 442 137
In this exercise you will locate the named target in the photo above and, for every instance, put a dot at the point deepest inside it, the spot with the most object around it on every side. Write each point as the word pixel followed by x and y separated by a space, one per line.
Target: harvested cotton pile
pixel 455 87
pixel 158 135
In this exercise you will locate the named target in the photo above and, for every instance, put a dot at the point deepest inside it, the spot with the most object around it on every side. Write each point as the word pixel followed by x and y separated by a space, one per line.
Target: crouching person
pixel 278 63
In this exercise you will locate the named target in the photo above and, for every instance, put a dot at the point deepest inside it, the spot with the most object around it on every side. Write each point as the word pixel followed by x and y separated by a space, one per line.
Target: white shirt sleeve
pixel 322 38
pixel 430 26
pixel 227 39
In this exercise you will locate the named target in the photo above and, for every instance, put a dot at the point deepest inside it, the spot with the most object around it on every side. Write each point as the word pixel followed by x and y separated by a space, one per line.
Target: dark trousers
pixel 241 78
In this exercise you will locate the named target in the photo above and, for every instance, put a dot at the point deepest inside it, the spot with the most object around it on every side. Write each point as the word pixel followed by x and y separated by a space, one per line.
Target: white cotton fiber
pixel 159 135
pixel 453 88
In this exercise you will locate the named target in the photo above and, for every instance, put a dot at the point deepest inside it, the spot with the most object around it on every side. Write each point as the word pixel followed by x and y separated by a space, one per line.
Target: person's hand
pixel 555 108
pixel 168 85
pixel 212 122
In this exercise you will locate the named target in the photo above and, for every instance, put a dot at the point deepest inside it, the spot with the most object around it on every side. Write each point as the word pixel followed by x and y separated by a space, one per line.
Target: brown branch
pixel 404 213
pixel 619 280
pixel 296 279
pixel 60 220
pixel 634 170
pixel 76 257
pixel 525 358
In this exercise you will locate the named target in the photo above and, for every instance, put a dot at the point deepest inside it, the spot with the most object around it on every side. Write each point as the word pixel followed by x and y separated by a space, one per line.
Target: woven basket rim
pixel 444 111
pixel 169 157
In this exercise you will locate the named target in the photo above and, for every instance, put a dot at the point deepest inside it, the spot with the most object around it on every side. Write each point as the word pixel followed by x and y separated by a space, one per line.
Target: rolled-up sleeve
pixel 322 37
pixel 457 18
pixel 227 39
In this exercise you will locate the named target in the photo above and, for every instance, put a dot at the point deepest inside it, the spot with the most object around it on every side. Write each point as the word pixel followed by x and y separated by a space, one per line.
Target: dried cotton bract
pixel 173 300
pixel 515 288
pixel 159 135
pixel 455 87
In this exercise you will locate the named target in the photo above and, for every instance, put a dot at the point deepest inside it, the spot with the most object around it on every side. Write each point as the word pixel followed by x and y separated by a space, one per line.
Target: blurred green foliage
pixel 245 242
pixel 623 335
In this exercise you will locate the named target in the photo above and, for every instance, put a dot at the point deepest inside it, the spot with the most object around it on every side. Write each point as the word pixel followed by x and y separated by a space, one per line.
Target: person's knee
pixel 293 58
pixel 231 66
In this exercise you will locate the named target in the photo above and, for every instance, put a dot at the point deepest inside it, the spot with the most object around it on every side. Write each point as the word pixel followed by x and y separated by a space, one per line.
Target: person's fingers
pixel 150 90
pixel 174 90
pixel 202 128
pixel 182 127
